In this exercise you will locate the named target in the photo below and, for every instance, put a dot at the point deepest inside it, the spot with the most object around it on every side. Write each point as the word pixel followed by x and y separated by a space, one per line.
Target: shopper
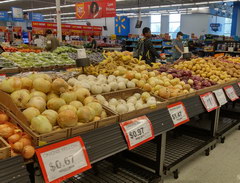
pixel 38 42
pixel 52 42
pixel 145 48
pixel 178 47
pixel 93 43
pixel 17 41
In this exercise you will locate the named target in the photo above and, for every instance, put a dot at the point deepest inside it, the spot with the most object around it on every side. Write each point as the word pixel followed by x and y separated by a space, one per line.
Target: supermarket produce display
pixel 47 107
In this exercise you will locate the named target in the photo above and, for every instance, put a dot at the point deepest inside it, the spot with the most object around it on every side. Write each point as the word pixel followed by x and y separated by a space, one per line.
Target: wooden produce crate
pixel 5 149
pixel 85 127
pixel 38 139
pixel 124 94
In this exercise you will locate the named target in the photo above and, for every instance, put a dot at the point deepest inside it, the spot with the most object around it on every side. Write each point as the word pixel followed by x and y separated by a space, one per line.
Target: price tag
pixel 209 101
pixel 220 96
pixel 239 84
pixel 137 131
pixel 2 77
pixel 178 113
pixel 81 53
pixel 231 93
pixel 62 160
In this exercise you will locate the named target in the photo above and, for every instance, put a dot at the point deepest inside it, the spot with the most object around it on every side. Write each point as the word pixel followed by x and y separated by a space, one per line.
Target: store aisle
pixel 222 166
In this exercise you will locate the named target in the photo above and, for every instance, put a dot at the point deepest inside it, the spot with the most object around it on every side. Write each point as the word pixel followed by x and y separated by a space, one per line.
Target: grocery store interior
pixel 119 91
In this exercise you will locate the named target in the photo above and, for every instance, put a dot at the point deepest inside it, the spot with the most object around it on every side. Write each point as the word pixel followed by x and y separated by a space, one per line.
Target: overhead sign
pixel 62 160
pixel 122 26
pixel 36 17
pixel 17 13
pixel 98 9
pixel 3 15
pixel 215 27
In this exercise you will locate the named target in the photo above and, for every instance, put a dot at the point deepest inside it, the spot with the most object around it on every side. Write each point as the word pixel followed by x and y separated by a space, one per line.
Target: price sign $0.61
pixel 137 131
pixel 56 165
pixel 209 101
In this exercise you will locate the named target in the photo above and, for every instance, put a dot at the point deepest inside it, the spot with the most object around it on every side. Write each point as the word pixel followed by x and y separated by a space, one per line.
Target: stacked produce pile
pixel 231 59
pixel 230 65
pixel 24 50
pixel 52 104
pixel 20 142
pixel 95 57
pixel 25 60
pixel 4 63
pixel 134 102
pixel 206 69
pixel 101 83
pixel 118 63
pixel 196 82
pixel 164 85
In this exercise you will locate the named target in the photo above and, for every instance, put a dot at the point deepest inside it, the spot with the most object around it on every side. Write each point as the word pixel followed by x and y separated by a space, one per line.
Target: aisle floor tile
pixel 221 166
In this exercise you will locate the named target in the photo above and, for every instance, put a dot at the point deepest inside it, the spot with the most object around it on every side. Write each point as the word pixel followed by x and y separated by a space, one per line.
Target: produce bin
pixel 124 94
pixel 5 149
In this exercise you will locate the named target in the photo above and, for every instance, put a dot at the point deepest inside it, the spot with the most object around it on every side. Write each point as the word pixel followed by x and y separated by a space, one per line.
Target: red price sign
pixel 178 113
pixel 2 77
pixel 137 131
pixel 209 101
pixel 231 93
pixel 62 160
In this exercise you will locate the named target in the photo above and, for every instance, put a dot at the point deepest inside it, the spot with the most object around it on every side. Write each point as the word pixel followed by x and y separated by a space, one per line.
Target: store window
pixel 174 24
pixel 156 24
pixel 227 26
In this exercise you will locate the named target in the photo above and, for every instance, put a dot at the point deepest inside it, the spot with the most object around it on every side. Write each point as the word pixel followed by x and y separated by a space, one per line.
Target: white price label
pixel 178 113
pixel 220 96
pixel 81 53
pixel 231 93
pixel 209 101
pixel 137 131
pixel 63 160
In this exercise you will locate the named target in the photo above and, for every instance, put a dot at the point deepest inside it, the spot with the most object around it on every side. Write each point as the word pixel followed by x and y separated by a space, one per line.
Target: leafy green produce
pixel 42 59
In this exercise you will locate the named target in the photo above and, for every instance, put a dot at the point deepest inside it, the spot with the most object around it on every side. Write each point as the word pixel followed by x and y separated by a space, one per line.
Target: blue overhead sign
pixel 36 17
pixel 3 15
pixel 17 14
pixel 215 27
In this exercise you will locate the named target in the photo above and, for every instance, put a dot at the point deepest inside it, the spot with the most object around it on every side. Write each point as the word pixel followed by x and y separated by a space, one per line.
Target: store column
pixel 59 23
pixel 236 19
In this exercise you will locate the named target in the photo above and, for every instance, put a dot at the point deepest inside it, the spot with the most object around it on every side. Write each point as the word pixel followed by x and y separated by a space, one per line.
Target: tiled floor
pixel 221 166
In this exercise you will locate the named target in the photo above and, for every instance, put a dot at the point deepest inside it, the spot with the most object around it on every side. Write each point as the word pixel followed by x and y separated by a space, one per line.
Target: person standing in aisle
pixel 93 43
pixel 178 47
pixel 145 48
pixel 38 42
pixel 52 41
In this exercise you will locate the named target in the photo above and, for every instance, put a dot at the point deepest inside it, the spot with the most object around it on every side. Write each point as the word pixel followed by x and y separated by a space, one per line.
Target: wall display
pixel 98 9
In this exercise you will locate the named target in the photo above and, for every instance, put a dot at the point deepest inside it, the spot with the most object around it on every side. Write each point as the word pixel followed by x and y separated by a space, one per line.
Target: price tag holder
pixel 178 113
pixel 2 77
pixel 221 97
pixel 63 160
pixel 231 93
pixel 137 131
pixel 81 53
pixel 209 101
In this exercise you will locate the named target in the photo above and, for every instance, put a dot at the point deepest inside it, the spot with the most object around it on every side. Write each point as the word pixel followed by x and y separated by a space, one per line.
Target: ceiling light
pixel 8 1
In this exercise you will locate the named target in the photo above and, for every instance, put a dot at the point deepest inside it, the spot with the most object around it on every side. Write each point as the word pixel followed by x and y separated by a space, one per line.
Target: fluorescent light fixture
pixel 51 7
pixel 49 15
pixel 8 1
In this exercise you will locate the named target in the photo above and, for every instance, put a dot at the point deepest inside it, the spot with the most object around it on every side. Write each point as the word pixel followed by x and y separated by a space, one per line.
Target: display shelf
pixel 13 170
pixel 105 173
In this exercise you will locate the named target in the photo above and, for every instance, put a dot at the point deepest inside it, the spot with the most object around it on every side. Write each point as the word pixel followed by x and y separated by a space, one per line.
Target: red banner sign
pixel 17 29
pixel 3 29
pixel 98 9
